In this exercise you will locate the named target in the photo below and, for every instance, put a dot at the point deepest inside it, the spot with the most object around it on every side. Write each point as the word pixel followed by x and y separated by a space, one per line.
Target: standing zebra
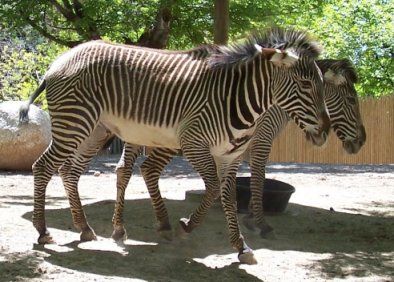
pixel 342 104
pixel 343 107
pixel 208 108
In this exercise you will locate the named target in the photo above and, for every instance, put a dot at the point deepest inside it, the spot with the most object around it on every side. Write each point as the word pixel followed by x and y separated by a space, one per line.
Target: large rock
pixel 22 144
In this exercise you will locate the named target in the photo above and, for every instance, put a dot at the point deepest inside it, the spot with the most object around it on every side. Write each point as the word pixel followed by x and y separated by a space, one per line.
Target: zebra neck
pixel 249 95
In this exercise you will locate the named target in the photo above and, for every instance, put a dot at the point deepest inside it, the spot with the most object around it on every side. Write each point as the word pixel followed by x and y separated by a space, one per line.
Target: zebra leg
pixel 258 161
pixel 151 170
pixel 202 161
pixel 228 197
pixel 48 163
pixel 124 170
pixel 71 171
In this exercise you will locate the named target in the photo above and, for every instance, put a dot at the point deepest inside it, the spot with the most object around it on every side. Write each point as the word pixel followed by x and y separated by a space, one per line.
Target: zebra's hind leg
pixel 151 170
pixel 71 171
pixel 202 161
pixel 124 170
pixel 47 164
pixel 228 197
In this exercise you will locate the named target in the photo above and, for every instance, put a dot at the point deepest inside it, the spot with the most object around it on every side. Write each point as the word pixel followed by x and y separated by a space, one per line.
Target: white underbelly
pixel 227 150
pixel 141 134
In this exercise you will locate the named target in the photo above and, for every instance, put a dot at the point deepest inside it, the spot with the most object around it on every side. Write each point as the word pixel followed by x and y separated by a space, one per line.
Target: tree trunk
pixel 157 35
pixel 221 21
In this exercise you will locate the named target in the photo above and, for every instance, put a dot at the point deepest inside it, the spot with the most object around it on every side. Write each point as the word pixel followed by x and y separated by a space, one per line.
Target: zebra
pixel 342 104
pixel 343 107
pixel 208 108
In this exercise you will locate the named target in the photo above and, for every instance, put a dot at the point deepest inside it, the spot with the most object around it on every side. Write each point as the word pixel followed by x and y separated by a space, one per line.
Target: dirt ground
pixel 339 225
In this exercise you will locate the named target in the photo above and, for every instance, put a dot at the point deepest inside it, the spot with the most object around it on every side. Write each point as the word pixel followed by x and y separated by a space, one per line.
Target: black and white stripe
pixel 207 106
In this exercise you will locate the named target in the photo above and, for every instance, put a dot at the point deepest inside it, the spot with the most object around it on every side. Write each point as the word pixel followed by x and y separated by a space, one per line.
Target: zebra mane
pixel 343 67
pixel 203 51
pixel 277 38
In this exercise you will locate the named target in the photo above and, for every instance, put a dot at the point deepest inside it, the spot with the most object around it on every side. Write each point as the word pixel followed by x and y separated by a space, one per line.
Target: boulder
pixel 22 143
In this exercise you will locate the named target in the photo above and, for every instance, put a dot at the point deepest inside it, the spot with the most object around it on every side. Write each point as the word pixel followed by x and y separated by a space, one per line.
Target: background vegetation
pixel 33 33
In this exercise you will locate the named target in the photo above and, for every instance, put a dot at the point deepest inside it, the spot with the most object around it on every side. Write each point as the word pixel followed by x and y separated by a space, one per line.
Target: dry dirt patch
pixel 354 240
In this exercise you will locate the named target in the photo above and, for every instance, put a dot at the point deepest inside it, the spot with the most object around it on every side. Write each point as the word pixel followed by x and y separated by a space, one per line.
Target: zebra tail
pixel 24 109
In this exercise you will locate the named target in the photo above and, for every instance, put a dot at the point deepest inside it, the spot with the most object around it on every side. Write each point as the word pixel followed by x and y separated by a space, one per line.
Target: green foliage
pixel 360 30
pixel 363 32
pixel 22 66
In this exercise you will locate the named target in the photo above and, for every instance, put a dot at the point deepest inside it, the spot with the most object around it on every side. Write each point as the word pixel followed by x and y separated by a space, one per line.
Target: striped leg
pixel 151 170
pixel 71 171
pixel 228 197
pixel 268 127
pixel 202 161
pixel 258 160
pixel 49 162
pixel 124 171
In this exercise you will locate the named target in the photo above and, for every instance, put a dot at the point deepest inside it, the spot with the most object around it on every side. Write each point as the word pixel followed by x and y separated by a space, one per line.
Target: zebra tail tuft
pixel 24 109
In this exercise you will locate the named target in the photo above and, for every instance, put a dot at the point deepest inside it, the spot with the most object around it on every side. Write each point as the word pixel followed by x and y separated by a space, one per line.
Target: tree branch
pixel 46 34
pixel 157 36
pixel 68 14
pixel 67 4
pixel 78 8
pixel 74 14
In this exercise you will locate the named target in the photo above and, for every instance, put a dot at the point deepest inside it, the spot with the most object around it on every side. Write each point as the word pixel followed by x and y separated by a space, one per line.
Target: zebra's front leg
pixel 202 161
pixel 256 218
pixel 124 170
pixel 151 170
pixel 228 197
pixel 260 148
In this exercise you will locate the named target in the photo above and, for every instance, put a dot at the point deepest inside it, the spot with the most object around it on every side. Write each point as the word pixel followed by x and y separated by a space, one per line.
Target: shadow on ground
pixel 19 266
pixel 357 243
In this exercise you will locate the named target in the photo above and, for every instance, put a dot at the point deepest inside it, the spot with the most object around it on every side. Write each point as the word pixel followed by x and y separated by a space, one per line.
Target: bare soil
pixel 339 225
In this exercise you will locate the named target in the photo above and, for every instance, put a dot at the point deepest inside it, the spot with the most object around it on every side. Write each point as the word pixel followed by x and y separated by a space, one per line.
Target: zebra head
pixel 298 89
pixel 342 103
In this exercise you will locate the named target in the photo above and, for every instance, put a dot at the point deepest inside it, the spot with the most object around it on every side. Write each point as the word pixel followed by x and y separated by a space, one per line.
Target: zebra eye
pixel 351 100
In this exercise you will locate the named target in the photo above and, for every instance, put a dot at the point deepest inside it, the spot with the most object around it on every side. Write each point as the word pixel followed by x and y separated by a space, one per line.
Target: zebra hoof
pixel 247 257
pixel 186 225
pixel 88 235
pixel 119 234
pixel 183 229
pixel 45 239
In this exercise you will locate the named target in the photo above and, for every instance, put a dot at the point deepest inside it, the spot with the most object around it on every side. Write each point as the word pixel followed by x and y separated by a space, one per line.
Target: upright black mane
pixel 278 38
pixel 343 67
pixel 203 51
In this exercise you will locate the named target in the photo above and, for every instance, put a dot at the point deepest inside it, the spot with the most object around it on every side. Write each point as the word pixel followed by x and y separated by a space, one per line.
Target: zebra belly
pixel 229 150
pixel 141 134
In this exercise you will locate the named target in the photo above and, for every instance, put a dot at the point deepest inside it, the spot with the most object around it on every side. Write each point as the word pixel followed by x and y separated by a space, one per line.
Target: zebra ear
pixel 280 58
pixel 334 78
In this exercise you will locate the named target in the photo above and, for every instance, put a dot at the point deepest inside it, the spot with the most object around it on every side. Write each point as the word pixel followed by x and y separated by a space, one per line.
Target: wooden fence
pixel 378 118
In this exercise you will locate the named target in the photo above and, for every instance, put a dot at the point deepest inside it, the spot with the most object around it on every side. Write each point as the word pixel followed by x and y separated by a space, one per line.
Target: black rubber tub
pixel 276 195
